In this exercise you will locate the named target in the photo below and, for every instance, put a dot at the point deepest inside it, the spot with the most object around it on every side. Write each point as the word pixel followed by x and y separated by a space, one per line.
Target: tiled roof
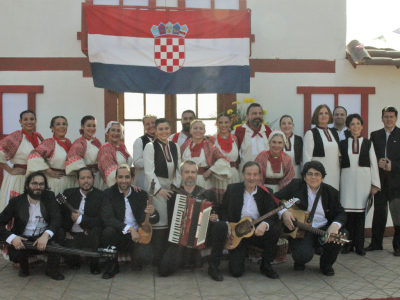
pixel 358 54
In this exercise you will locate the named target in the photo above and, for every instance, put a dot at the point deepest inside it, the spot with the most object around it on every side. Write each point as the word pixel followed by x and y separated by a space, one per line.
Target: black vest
pixel 145 140
pixel 160 163
pixel 319 150
pixel 363 159
pixel 298 149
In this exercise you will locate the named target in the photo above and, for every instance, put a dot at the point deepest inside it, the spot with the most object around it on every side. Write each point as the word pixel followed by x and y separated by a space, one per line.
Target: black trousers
pixel 90 242
pixel 303 249
pixel 159 241
pixel 53 258
pixel 175 257
pixel 355 225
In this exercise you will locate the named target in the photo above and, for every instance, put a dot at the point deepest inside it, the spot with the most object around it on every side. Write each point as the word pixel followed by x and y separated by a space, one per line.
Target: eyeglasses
pixel 36 184
pixel 316 175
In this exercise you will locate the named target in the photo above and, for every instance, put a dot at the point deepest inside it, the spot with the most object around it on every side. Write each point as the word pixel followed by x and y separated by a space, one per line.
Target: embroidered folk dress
pixel 109 158
pixel 83 153
pixel 207 156
pixel 138 162
pixel 275 180
pixel 15 148
pixel 356 181
pixel 331 159
pixel 174 177
pixel 50 154
pixel 289 149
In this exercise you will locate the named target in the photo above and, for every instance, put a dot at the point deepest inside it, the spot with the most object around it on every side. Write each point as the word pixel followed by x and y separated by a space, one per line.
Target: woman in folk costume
pixel 84 150
pixel 228 145
pixel 16 148
pixel 113 153
pixel 322 144
pixel 212 164
pixel 276 165
pixel 358 181
pixel 149 124
pixel 51 155
pixel 162 159
pixel 294 143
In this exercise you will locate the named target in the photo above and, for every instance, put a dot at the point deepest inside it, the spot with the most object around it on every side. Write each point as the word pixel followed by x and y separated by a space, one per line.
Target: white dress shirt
pixel 129 220
pixel 76 227
pixel 341 134
pixel 250 208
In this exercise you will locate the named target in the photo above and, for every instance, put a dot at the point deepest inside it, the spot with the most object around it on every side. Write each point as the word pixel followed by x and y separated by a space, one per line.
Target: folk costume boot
pixel 214 272
pixel 112 269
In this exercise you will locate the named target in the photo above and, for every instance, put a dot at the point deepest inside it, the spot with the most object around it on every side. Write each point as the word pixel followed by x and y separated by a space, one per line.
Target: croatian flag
pixel 169 52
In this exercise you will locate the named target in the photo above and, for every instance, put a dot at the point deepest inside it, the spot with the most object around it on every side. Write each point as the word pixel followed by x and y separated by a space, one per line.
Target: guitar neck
pixel 271 213
pixel 70 207
pixel 310 228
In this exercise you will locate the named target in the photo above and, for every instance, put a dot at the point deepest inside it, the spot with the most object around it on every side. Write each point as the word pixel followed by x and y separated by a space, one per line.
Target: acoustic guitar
pixel 245 227
pixel 146 230
pixel 301 226
pixel 62 200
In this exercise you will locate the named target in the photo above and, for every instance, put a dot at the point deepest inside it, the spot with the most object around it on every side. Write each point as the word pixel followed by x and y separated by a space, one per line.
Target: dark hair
pixel 389 109
pixel 31 176
pixel 339 107
pixel 53 120
pixel 314 164
pixel 224 115
pixel 83 121
pixel 189 111
pixel 123 166
pixel 253 105
pixel 189 163
pixel 84 169
pixel 162 120
pixel 314 118
pixel 28 111
pixel 285 116
pixel 351 117
pixel 250 164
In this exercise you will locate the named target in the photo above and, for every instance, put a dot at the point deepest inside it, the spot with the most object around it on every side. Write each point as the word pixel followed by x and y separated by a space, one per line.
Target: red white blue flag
pixel 169 52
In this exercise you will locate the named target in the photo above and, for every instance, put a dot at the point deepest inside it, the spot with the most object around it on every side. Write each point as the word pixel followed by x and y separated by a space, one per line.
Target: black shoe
pixel 396 252
pixel 95 267
pixel 22 273
pixel 372 247
pixel 299 267
pixel 361 252
pixel 137 267
pixel 214 273
pixel 269 272
pixel 327 271
pixel 111 271
pixel 55 275
pixel 347 249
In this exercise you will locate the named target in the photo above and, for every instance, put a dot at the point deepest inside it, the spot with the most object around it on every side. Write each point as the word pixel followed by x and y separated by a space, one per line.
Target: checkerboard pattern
pixel 169 54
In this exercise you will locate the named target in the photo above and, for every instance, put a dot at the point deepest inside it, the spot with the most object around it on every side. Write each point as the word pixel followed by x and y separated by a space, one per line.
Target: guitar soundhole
pixel 243 228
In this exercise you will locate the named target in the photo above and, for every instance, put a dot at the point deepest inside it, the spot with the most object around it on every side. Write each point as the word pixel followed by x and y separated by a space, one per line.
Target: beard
pixel 186 127
pixel 256 122
pixel 190 182
pixel 83 188
pixel 34 194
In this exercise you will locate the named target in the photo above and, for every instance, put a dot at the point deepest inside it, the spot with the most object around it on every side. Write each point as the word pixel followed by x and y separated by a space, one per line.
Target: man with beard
pixel 253 135
pixel 339 120
pixel 36 218
pixel 180 137
pixel 123 211
pixel 83 228
pixel 177 256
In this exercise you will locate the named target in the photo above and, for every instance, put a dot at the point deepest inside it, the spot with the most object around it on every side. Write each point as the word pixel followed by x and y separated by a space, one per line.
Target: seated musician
pixel 83 229
pixel 176 255
pixel 123 211
pixel 240 200
pixel 329 216
pixel 37 218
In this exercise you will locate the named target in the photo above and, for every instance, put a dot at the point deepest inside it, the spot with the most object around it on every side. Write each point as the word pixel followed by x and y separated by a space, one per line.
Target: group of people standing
pixel 243 172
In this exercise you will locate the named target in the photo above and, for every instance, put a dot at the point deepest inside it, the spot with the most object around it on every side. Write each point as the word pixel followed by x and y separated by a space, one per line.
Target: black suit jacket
pixel 378 139
pixel 18 208
pixel 334 212
pixel 92 209
pixel 232 204
pixel 113 208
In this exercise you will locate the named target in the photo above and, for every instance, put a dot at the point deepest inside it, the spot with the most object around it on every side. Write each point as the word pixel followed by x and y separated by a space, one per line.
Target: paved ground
pixel 376 275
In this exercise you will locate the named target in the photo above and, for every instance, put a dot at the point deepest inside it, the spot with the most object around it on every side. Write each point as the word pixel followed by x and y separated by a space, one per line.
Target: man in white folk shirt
pixel 339 120
pixel 188 116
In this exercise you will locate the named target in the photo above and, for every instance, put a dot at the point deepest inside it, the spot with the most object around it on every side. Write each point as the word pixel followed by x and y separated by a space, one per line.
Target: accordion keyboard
pixel 179 209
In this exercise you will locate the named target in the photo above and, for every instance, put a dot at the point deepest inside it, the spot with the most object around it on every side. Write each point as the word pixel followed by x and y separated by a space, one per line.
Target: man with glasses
pixel 36 218
pixel 326 213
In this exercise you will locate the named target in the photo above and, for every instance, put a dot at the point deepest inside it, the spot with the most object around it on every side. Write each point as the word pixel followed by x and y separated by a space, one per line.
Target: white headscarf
pixel 277 132
pixel 111 124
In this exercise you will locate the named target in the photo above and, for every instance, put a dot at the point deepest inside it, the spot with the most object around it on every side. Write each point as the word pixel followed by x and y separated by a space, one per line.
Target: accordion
pixel 190 222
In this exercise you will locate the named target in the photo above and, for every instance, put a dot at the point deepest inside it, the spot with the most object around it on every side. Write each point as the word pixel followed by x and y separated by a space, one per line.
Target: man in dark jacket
pixel 36 218
pixel 84 226
pixel 329 215
pixel 123 211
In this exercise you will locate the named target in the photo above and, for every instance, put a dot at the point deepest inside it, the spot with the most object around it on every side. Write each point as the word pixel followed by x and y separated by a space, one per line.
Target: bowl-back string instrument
pixel 146 230
pixel 62 200
pixel 245 227
pixel 302 226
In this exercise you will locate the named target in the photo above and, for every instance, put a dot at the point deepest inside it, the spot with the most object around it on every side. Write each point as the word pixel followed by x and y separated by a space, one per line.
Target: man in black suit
pixel 386 142
pixel 177 256
pixel 329 215
pixel 36 218
pixel 240 200
pixel 83 228
pixel 123 211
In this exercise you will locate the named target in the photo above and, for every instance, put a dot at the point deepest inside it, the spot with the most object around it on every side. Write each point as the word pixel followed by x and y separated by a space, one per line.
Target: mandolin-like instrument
pixel 245 227
pixel 146 230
